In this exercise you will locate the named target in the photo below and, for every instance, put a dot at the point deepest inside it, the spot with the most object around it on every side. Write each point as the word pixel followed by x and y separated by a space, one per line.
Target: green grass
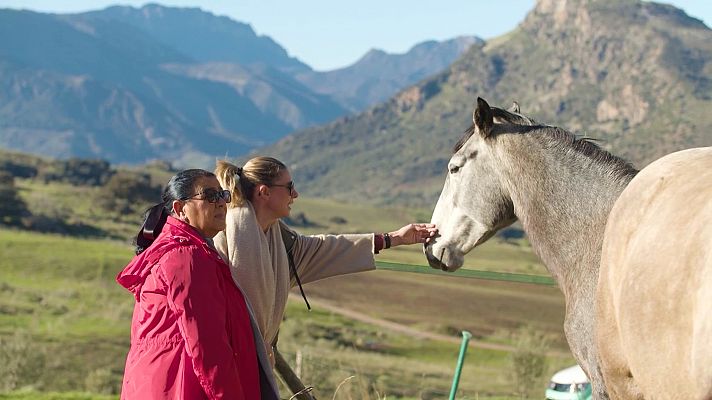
pixel 394 364
pixel 80 207
pixel 60 305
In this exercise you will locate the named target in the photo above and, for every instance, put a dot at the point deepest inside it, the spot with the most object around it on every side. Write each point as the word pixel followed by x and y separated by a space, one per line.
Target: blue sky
pixel 327 34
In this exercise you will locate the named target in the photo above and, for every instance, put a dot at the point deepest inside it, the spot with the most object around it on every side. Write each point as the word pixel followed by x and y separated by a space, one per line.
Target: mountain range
pixel 635 75
pixel 379 75
pixel 134 84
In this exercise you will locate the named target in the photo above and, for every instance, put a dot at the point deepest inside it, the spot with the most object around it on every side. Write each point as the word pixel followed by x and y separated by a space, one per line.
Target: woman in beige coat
pixel 254 247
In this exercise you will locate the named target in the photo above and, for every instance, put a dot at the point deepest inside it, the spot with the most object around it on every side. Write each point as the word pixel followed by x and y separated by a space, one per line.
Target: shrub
pixel 300 220
pixel 19 165
pixel 77 171
pixel 529 361
pixel 338 220
pixel 18 170
pixel 125 190
pixel 20 362
pixel 12 207
pixel 102 381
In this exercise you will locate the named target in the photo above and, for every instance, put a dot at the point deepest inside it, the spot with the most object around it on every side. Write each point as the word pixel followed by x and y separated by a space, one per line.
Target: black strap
pixel 289 240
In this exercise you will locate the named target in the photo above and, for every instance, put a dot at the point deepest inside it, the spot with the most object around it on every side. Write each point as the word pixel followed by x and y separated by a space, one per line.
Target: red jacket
pixel 191 334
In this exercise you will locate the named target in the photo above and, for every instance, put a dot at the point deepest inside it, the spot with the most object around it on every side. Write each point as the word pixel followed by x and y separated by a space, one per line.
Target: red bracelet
pixel 377 243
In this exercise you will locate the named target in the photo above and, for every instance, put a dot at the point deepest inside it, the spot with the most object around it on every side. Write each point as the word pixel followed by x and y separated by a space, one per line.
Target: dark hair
pixel 180 186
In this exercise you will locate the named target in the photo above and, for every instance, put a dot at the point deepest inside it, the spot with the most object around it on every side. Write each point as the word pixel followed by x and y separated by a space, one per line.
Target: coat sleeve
pixel 197 295
pixel 322 256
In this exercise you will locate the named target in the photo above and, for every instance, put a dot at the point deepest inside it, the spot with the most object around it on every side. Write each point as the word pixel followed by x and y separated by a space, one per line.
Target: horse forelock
pixel 465 137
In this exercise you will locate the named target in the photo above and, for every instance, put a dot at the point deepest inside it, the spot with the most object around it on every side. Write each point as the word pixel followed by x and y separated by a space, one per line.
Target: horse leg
pixel 579 334
pixel 613 365
pixel 598 389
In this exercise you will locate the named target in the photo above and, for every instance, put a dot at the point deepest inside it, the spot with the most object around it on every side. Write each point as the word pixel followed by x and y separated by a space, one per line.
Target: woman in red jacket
pixel 192 334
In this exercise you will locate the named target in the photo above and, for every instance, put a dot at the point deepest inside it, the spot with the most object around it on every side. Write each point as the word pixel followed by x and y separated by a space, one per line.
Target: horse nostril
pixel 434 261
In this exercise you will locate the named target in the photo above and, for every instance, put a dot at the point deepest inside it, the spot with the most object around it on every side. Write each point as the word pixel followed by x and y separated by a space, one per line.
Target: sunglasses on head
pixel 212 195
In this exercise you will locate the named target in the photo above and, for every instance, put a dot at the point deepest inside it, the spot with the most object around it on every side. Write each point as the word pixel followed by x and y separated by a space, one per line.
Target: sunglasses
pixel 212 196
pixel 289 186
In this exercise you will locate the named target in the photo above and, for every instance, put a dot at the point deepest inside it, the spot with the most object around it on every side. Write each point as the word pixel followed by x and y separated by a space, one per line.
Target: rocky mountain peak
pixel 558 6
pixel 577 15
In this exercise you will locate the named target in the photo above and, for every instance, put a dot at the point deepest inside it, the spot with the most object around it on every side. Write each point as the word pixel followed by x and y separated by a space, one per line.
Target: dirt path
pixel 395 327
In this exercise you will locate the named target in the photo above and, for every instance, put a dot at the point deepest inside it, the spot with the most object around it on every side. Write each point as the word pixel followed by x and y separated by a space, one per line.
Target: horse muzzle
pixel 438 257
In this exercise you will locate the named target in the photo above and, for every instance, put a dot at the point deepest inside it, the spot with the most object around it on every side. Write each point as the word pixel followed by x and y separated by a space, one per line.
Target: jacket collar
pixel 174 233
pixel 180 229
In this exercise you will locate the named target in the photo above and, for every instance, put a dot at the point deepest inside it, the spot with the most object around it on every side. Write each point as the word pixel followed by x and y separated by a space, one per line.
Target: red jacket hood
pixel 175 233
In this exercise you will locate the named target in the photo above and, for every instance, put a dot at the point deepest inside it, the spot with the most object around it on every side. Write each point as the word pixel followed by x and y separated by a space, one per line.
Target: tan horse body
pixel 654 296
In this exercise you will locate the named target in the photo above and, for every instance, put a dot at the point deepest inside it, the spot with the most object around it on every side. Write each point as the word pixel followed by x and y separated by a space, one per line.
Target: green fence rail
pixel 468 273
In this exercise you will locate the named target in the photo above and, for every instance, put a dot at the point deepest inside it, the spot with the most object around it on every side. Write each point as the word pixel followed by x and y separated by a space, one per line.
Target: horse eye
pixel 454 169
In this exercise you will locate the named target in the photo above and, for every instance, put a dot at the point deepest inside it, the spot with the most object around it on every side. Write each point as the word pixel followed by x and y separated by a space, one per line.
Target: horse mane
pixel 498 114
pixel 565 140
pixel 557 138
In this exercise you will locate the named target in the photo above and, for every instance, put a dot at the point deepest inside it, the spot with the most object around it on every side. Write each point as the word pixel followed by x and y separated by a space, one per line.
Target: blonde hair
pixel 241 181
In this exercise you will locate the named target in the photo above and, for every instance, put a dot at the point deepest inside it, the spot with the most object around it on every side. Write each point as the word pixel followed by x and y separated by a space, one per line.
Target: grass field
pixel 64 322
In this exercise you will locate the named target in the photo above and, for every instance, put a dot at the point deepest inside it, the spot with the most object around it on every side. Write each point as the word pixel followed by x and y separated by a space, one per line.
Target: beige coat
pixel 259 263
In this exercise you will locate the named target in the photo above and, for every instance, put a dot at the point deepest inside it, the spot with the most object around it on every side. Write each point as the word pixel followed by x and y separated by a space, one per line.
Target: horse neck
pixel 563 199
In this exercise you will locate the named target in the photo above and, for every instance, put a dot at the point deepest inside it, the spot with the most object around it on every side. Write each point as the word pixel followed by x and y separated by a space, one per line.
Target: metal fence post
pixel 460 360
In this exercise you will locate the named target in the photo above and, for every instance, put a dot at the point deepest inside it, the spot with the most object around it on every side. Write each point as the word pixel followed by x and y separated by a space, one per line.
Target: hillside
pixel 92 87
pixel 636 75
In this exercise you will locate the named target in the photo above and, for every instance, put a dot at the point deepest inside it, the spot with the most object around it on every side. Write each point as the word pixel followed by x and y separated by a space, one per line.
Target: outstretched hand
pixel 413 233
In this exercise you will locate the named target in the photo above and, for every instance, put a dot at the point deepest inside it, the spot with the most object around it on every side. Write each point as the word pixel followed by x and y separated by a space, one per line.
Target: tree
pixel 126 189
pixel 77 171
pixel 12 207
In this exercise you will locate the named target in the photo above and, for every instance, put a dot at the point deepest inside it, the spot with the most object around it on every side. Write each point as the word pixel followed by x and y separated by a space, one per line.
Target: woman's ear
pixel 262 190
pixel 177 208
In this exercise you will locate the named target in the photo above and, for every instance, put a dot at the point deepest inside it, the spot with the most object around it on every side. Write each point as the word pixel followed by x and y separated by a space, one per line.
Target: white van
pixel 569 384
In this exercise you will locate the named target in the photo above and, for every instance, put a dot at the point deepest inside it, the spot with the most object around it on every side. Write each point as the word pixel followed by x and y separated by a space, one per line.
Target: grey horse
pixel 561 188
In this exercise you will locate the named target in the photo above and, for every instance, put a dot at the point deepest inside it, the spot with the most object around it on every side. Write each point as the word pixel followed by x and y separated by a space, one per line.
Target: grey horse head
pixel 473 204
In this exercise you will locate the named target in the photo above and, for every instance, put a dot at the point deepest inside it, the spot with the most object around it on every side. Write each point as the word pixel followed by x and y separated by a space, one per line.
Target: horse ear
pixel 514 108
pixel 482 117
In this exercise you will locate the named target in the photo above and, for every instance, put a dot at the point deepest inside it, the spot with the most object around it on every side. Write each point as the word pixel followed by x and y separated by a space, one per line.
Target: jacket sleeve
pixel 197 295
pixel 322 256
